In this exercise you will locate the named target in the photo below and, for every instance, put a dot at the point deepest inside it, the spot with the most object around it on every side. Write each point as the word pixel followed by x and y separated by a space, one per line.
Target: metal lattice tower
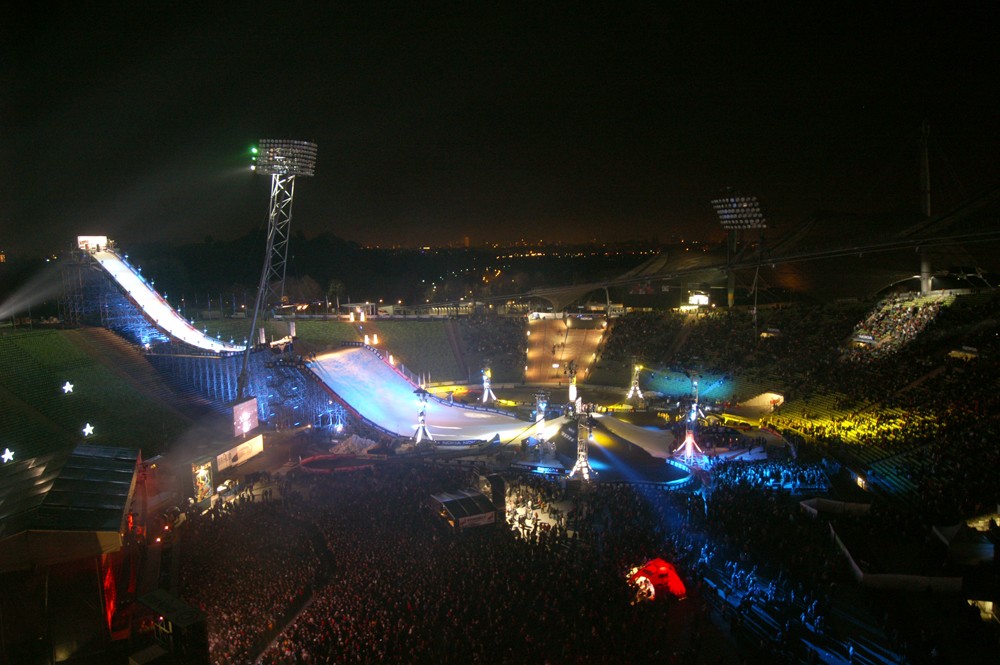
pixel 422 432
pixel 584 433
pixel 635 391
pixel 488 395
pixel 283 161
pixel 571 373
pixel 689 445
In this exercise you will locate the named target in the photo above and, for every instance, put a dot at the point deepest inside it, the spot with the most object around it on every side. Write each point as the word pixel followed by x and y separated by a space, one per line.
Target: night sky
pixel 484 120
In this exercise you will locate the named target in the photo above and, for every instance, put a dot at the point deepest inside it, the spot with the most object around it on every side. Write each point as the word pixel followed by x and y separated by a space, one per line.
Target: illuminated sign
pixel 241 453
pixel 92 243
pixel 202 478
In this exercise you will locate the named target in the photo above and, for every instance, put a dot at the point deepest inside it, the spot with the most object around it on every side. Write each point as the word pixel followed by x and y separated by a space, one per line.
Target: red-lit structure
pixel 657 580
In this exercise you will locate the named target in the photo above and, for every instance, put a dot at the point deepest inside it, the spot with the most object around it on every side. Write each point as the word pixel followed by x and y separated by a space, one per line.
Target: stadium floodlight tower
pixel 283 161
pixel 736 213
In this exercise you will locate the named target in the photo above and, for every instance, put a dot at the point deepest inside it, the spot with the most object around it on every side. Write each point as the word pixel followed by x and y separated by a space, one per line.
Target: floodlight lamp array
pixel 283 157
pixel 739 212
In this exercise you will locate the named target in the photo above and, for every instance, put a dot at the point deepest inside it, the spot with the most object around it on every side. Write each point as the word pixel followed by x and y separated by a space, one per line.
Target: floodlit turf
pixel 39 417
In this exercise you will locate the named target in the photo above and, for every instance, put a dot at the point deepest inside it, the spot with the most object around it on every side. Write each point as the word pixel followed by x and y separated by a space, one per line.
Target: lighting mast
pixel 283 161
pixel 736 212
pixel 925 201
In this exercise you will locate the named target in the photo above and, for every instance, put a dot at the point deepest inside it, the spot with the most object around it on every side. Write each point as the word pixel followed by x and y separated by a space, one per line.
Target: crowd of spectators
pixel 788 475
pixel 929 411
pixel 647 336
pixel 245 564
pixel 404 588
pixel 394 583
pixel 894 323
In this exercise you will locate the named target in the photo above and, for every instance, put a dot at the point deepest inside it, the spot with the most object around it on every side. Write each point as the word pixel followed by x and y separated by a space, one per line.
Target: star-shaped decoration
pixel 67 388
pixel 8 455
pixel 88 430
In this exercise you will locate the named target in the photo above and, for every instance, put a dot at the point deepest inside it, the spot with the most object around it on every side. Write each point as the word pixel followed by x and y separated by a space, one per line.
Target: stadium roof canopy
pixel 832 256
pixel 64 506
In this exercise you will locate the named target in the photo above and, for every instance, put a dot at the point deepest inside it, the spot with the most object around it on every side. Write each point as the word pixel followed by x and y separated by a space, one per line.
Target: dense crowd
pixel 404 588
pixel 929 411
pixel 391 582
pixel 644 336
pixel 789 475
pixel 245 564
pixel 893 324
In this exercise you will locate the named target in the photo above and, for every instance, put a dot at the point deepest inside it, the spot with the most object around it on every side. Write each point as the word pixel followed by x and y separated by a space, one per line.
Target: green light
pixel 253 150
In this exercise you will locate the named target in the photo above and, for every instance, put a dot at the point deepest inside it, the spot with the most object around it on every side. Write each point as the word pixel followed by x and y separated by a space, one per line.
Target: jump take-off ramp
pixel 157 310
pixel 379 393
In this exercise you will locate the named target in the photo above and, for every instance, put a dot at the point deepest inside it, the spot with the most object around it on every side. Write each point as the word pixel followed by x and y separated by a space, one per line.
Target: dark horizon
pixel 486 122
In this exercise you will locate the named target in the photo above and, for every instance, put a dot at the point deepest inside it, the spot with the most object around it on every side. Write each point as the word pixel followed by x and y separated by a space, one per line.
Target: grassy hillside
pixel 422 346
pixel 38 416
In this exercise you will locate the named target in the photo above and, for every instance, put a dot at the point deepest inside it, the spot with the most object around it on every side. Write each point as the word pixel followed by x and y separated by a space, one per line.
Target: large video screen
pixel 245 417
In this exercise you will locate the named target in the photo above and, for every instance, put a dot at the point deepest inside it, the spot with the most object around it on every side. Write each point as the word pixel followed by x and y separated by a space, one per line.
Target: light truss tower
pixel 571 373
pixel 421 427
pixel 488 395
pixel 541 404
pixel 737 212
pixel 283 161
pixel 635 391
pixel 584 435
pixel 689 445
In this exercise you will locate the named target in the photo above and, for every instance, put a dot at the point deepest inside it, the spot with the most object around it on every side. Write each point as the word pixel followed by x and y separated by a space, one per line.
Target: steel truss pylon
pixel 278 231
pixel 584 432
